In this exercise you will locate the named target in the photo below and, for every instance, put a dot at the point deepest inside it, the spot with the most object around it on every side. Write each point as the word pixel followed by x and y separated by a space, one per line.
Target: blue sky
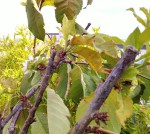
pixel 110 15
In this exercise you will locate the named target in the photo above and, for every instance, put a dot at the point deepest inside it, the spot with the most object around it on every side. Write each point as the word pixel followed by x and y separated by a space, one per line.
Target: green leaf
pixel 133 39
pixel 88 84
pixel 79 29
pixel 61 86
pixel 108 47
pixel 29 80
pixel 58 114
pixel 125 108
pixel 144 37
pixel 110 106
pixel 68 28
pixel 91 56
pixel 70 8
pixel 129 74
pixel 145 72
pixel 41 124
pixel 139 19
pixel 76 89
pixel 35 20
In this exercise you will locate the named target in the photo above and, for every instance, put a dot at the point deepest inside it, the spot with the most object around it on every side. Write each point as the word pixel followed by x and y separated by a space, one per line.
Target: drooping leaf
pixel 35 20
pixel 139 19
pixel 125 108
pixel 70 8
pixel 41 124
pixel 76 89
pixel 109 106
pixel 133 39
pixel 58 114
pixel 91 56
pixel 88 84
pixel 79 29
pixel 147 14
pixel 61 86
pixel 68 27
pixel 48 3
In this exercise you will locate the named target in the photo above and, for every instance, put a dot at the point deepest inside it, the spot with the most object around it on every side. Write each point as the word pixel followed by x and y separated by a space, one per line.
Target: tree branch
pixel 11 129
pixel 104 89
pixel 45 81
pixel 16 108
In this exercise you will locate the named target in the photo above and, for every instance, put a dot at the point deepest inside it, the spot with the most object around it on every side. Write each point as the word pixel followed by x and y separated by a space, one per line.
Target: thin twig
pixel 140 75
pixel 11 129
pixel 40 7
pixel 75 62
pixel 17 107
pixel 104 89
pixel 45 81
pixel 88 25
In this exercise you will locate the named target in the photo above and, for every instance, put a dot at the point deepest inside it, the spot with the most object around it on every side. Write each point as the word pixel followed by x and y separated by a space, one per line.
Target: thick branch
pixel 49 71
pixel 104 89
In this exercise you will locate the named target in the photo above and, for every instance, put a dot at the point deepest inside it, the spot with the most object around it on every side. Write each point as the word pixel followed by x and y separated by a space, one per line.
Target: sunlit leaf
pixel 109 106
pixel 139 19
pixel 91 56
pixel 68 27
pixel 58 114
pixel 70 8
pixel 48 3
pixel 82 40
pixel 144 37
pixel 125 108
pixel 35 20
pixel 41 124
pixel 133 39
pixel 129 74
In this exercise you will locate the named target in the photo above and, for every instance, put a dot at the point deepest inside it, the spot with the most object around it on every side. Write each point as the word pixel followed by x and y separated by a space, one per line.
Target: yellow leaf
pixel 125 106
pixel 81 40
pixel 91 56
pixel 48 3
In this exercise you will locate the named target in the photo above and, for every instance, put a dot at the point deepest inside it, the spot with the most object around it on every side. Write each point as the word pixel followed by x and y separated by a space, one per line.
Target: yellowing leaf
pixel 124 108
pixel 68 27
pixel 91 56
pixel 48 3
pixel 109 106
pixel 81 40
